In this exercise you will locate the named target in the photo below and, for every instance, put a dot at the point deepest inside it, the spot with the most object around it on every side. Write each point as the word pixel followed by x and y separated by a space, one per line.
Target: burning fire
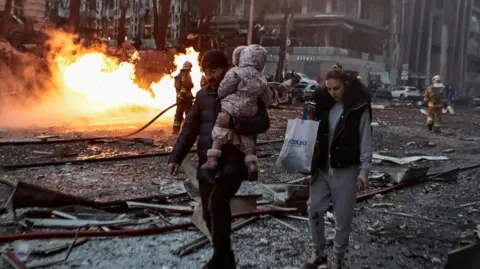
pixel 90 85
pixel 102 84
pixel 105 84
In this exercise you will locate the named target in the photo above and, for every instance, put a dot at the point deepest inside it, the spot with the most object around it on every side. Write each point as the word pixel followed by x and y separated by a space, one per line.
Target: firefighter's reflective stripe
pixel 429 119
pixel 430 104
pixel 436 124
pixel 179 94
pixel 183 90
pixel 177 123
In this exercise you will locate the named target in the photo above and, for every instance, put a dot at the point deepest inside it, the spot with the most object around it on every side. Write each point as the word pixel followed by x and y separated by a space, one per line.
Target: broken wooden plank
pixel 71 217
pixel 410 159
pixel 174 208
pixel 466 258
pixel 285 193
pixel 68 223
pixel 299 180
pixel 14 261
pixel 285 224
pixel 469 204
pixel 191 183
pixel 199 222
pixel 297 217
pixel 244 203
pixel 8 182
pixel 405 215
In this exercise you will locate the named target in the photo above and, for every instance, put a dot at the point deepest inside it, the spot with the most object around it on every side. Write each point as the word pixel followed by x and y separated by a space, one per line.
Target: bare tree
pixel 6 21
pixel 122 31
pixel 207 10
pixel 287 17
pixel 155 23
pixel 164 18
pixel 257 32
pixel 74 18
pixel 207 40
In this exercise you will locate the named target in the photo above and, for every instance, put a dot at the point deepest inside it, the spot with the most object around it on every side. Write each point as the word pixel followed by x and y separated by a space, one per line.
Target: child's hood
pixel 236 55
pixel 253 55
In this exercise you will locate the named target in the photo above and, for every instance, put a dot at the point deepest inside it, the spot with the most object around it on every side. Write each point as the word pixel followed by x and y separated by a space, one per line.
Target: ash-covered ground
pixel 405 242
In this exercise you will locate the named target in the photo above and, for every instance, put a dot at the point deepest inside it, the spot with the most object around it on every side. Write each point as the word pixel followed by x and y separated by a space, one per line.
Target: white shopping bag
pixel 297 150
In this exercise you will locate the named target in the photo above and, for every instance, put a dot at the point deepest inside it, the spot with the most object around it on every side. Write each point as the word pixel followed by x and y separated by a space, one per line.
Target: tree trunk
pixel 74 18
pixel 163 20
pixel 6 21
pixel 257 34
pixel 207 10
pixel 287 16
pixel 155 23
pixel 122 31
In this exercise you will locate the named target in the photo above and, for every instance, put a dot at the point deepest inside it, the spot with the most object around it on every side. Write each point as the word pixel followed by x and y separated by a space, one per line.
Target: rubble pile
pixel 70 203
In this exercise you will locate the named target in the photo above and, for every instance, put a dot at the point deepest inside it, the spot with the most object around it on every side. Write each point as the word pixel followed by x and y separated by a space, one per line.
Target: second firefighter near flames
pixel 183 87
pixel 436 99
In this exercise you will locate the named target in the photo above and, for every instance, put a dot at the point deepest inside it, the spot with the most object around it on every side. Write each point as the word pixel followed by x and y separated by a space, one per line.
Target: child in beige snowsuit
pixel 239 93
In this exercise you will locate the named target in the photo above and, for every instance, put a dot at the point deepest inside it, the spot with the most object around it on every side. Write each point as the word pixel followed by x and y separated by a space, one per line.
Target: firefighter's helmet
pixel 359 78
pixel 187 65
pixel 436 78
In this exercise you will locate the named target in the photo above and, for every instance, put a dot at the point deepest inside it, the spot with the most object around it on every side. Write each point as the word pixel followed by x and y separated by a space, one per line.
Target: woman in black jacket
pixel 341 163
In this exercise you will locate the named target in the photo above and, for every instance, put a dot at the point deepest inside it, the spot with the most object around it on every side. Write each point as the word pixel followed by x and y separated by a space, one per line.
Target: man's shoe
pixel 316 262
pixel 430 127
pixel 221 261
pixel 337 263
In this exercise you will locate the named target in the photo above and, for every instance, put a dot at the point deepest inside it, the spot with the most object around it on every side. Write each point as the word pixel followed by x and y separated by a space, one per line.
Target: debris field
pixel 109 202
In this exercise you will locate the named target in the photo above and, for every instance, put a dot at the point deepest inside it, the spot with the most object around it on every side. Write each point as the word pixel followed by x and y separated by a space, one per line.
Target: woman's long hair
pixel 353 88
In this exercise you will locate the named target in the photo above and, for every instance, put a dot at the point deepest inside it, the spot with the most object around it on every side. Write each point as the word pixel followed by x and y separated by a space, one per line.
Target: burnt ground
pixel 406 242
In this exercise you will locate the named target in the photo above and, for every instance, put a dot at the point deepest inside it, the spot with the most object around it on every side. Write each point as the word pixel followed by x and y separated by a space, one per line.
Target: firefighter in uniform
pixel 436 99
pixel 183 86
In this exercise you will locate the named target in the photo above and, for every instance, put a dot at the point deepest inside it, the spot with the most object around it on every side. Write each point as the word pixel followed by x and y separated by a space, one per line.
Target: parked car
pixel 475 102
pixel 303 92
pixel 406 93
pixel 383 93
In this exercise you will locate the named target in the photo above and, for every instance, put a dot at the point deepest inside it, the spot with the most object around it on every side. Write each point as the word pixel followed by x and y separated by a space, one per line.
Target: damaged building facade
pixel 353 33
pixel 26 10
pixel 435 37
pixel 101 18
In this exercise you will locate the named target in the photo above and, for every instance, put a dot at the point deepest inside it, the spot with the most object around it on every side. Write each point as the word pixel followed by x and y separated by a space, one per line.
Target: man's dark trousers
pixel 217 212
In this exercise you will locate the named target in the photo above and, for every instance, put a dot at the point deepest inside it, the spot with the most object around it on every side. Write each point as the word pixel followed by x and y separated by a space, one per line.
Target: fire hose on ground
pixel 112 159
pixel 86 139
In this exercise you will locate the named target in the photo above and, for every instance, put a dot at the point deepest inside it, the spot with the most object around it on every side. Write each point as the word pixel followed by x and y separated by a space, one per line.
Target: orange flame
pixel 104 84
pixel 92 85
pixel 101 84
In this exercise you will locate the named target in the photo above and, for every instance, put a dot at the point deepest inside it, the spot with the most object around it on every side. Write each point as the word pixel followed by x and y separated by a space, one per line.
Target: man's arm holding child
pixel 255 125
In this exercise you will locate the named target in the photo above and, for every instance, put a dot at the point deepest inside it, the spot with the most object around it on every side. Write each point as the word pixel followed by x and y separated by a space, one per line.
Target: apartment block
pixel 353 33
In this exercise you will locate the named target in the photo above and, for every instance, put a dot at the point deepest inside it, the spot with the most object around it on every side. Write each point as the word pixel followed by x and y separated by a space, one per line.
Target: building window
pixel 318 5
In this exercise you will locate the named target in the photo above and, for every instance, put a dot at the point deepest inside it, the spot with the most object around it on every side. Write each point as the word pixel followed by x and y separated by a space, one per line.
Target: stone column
pixel 329 6
pixel 359 9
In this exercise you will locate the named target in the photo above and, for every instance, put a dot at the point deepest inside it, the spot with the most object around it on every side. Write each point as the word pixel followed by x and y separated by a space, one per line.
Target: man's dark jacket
pixel 199 124
pixel 345 148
